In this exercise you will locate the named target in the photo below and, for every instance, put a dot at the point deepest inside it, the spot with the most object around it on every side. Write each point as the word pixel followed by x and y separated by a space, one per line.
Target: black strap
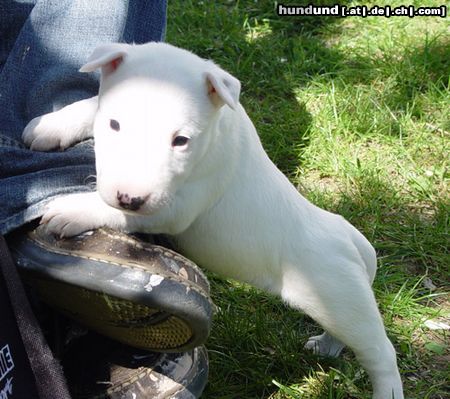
pixel 28 369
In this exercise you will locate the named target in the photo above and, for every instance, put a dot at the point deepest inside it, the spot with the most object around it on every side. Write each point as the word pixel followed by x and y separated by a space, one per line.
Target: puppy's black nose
pixel 131 203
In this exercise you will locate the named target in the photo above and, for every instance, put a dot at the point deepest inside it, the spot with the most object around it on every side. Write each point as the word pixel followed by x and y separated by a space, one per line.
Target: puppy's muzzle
pixel 130 203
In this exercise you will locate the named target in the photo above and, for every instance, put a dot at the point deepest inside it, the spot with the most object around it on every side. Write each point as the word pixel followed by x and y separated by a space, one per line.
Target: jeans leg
pixel 13 15
pixel 41 75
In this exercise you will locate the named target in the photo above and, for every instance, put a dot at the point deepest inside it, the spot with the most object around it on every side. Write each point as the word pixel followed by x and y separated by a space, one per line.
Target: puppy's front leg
pixel 76 213
pixel 62 128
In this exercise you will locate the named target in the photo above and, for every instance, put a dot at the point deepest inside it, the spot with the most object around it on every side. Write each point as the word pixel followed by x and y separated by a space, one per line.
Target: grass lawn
pixel 356 112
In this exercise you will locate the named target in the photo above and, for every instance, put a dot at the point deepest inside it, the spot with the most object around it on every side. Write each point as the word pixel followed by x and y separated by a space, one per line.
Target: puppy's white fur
pixel 226 204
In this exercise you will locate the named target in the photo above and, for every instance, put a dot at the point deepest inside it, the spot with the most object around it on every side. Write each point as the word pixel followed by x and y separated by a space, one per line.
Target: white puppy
pixel 177 154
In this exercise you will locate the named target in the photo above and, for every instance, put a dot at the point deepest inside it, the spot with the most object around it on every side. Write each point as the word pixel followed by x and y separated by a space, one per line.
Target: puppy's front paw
pixel 62 128
pixel 42 133
pixel 47 132
pixel 68 216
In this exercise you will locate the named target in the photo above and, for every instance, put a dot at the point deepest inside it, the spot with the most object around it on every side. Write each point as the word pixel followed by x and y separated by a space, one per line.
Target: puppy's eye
pixel 180 141
pixel 114 125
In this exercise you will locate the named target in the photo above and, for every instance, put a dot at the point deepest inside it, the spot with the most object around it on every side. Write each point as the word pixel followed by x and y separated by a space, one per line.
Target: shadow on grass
pixel 420 68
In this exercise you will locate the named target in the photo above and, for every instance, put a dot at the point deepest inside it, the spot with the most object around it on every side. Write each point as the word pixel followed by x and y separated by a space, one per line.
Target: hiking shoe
pixel 137 293
pixel 97 367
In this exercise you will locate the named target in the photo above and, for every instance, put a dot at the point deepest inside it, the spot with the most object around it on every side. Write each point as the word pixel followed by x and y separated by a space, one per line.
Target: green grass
pixel 356 113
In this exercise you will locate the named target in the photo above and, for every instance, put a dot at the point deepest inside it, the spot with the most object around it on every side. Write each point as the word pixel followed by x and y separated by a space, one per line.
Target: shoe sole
pixel 154 310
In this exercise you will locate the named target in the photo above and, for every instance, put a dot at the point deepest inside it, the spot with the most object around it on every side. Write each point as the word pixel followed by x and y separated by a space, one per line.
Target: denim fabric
pixel 43 43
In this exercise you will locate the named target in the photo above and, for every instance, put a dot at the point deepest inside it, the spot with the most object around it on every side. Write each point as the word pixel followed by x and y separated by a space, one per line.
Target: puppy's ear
pixel 222 87
pixel 108 57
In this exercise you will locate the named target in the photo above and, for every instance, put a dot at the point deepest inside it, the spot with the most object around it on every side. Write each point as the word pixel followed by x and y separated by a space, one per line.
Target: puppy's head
pixel 157 107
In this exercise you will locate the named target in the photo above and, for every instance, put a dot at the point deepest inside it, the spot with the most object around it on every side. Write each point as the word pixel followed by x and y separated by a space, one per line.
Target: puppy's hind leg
pixel 342 301
pixel 325 345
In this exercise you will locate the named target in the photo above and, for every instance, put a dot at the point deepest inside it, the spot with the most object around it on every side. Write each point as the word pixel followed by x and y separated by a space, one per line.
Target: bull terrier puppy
pixel 177 154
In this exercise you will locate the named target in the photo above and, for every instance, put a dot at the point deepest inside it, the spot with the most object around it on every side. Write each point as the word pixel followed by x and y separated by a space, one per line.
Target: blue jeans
pixel 43 44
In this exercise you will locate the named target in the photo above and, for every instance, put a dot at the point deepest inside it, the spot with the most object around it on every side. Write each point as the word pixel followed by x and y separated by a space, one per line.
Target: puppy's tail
pixel 367 253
